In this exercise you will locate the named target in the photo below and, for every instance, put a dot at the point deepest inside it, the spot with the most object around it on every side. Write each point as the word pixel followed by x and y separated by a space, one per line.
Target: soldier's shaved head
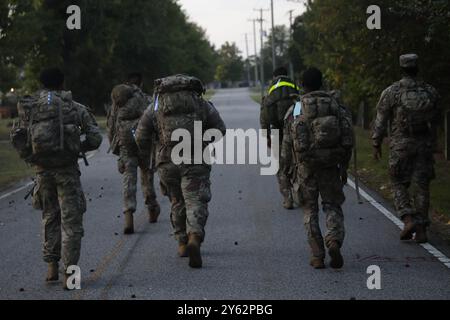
pixel 135 78
pixel 52 78
pixel 312 79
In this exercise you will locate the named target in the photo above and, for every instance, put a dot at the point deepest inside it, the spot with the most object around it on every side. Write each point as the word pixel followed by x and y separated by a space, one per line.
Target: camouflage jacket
pixel 387 110
pixel 148 133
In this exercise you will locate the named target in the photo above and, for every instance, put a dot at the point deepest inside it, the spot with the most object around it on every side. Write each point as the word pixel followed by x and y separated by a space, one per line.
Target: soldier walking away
pixel 273 111
pixel 128 105
pixel 322 139
pixel 49 138
pixel 411 108
pixel 178 105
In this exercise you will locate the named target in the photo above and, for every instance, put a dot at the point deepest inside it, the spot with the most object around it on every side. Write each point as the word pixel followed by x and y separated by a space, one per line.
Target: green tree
pixel 116 37
pixel 230 65
pixel 333 36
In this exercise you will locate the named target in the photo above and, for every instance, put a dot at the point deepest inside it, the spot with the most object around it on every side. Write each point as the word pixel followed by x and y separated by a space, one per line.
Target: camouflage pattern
pixel 129 103
pixel 128 165
pixel 59 195
pixel 273 111
pixel 411 150
pixel 288 168
pixel 187 185
pixel 188 188
pixel 409 60
pixel 326 183
pixel 308 184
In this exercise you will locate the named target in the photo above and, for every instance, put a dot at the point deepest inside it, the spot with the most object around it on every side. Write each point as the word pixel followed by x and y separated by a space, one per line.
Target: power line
pixel 274 62
pixel 256 50
pixel 261 21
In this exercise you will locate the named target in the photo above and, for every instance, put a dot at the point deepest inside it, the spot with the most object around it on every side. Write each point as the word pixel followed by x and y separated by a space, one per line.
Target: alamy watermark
pixel 240 147
pixel 374 280
pixel 73 22
pixel 74 278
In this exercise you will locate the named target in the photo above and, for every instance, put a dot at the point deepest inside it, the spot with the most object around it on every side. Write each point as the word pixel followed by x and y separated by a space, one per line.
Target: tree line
pixel 332 35
pixel 154 37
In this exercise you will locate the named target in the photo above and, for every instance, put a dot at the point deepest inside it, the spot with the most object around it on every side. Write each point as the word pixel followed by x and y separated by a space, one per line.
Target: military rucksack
pixel 178 105
pixel 416 107
pixel 322 134
pixel 53 129
pixel 129 103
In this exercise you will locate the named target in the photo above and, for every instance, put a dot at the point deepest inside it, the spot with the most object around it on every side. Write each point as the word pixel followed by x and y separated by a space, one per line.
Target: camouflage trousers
pixel 128 166
pixel 325 182
pixel 411 163
pixel 284 179
pixel 59 195
pixel 188 188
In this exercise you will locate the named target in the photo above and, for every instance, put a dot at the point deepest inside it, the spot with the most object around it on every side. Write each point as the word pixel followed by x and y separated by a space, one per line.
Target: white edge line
pixel 6 195
pixel 431 249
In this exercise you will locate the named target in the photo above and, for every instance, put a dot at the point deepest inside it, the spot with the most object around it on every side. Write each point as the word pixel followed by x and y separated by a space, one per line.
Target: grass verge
pixel 375 175
pixel 5 128
pixel 12 168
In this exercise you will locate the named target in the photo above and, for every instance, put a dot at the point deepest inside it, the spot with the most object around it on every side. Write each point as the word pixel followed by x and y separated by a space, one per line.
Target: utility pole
pixel 256 51
pixel 291 33
pixel 248 59
pixel 261 27
pixel 274 62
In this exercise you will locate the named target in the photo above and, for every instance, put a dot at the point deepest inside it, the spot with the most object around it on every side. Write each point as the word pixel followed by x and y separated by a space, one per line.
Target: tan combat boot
pixel 153 213
pixel 182 250
pixel 421 234
pixel 409 228
pixel 317 263
pixel 65 278
pixel 337 261
pixel 193 251
pixel 129 223
pixel 52 273
pixel 288 202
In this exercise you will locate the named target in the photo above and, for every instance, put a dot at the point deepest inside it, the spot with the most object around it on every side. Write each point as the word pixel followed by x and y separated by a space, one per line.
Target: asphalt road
pixel 254 249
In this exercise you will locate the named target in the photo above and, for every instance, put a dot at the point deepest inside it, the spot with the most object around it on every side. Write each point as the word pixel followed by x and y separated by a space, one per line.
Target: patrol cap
pixel 409 60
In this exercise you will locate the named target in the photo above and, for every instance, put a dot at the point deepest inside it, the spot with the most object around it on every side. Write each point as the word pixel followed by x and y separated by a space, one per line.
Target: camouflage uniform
pixel 312 182
pixel 273 111
pixel 411 153
pixel 59 195
pixel 130 158
pixel 187 185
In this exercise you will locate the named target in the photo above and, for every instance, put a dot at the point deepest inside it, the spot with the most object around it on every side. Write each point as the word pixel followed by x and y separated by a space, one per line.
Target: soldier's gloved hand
pixel 377 153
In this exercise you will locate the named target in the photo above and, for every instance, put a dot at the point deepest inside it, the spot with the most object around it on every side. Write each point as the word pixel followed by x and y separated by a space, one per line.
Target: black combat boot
pixel 409 228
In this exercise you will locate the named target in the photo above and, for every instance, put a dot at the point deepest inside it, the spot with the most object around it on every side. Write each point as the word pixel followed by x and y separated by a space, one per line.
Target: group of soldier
pixel 312 165
pixel 316 147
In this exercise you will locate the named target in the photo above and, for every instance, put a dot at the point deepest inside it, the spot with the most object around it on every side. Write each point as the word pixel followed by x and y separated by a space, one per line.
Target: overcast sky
pixel 226 20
